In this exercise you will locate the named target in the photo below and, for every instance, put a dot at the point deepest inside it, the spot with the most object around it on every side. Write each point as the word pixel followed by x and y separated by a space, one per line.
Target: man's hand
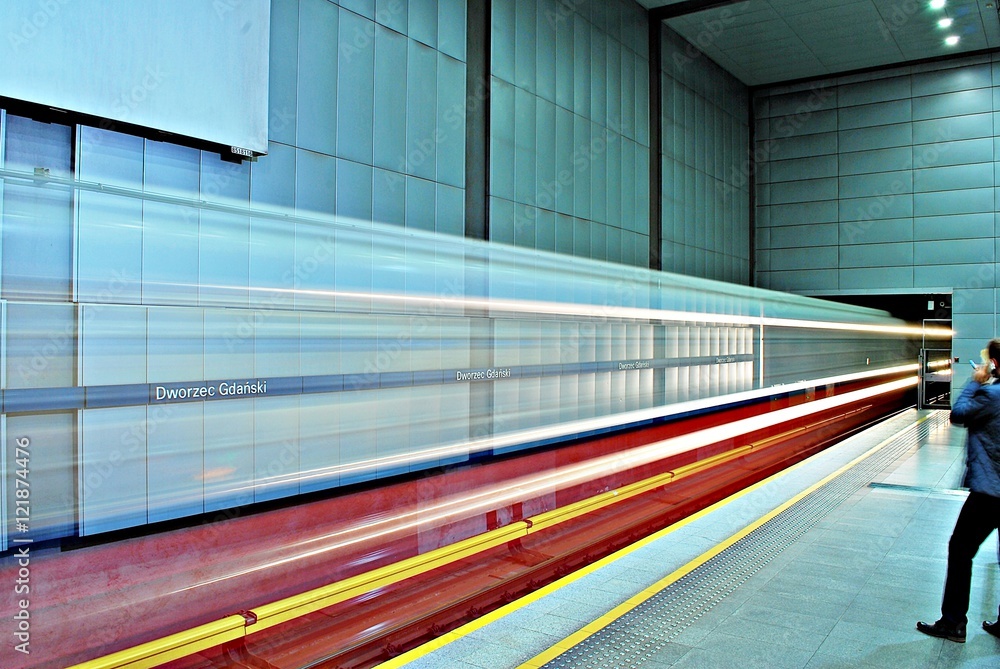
pixel 982 373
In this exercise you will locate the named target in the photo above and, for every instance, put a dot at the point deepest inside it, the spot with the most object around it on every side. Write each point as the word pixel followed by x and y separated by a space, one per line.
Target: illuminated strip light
pixel 859 327
pixel 488 499
pixel 609 312
pixel 551 308
pixel 356 225
pixel 582 426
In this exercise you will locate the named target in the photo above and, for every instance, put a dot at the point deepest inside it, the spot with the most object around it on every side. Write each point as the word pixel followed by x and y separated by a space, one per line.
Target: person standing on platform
pixel 978 409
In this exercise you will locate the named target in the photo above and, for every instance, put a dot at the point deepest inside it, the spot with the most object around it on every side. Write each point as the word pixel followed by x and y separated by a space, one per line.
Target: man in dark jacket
pixel 978 409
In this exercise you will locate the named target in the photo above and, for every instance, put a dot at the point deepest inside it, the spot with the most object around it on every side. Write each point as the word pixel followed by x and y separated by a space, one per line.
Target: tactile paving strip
pixel 632 640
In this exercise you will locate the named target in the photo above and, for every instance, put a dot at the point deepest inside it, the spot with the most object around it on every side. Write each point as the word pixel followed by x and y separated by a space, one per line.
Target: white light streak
pixel 583 426
pixel 494 307
pixel 529 487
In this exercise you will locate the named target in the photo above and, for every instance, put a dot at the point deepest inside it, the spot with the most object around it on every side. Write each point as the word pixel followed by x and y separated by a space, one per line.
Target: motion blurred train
pixel 190 376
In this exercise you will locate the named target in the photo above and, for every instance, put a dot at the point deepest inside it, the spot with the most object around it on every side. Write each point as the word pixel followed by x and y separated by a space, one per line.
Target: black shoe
pixel 992 628
pixel 945 630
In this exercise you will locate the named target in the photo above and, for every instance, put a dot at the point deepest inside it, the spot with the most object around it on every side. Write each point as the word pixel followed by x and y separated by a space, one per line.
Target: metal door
pixel 934 389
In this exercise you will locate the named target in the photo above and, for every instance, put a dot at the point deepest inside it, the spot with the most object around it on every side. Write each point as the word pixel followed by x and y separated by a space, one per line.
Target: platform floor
pixel 827 565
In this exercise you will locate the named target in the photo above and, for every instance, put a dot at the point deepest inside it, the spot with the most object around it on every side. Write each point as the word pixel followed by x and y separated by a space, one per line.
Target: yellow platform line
pixel 173 647
pixel 234 627
pixel 231 628
pixel 614 614
pixel 622 609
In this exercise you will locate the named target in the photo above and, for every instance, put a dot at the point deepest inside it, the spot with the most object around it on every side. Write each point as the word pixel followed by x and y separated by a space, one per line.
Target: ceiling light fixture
pixel 945 23
pixel 937 4
pixel 951 40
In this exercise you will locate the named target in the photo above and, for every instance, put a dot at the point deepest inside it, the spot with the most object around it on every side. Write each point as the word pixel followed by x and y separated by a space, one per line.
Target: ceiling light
pixel 945 23
pixel 951 40
pixel 937 4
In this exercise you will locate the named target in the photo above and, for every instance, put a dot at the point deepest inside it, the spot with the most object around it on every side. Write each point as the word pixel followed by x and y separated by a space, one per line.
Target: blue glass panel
pixel 37 224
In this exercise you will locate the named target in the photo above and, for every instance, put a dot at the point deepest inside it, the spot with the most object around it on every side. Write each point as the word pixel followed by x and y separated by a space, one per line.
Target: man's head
pixel 993 351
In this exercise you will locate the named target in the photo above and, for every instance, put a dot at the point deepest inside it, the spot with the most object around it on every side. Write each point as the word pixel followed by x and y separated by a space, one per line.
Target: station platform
pixel 828 564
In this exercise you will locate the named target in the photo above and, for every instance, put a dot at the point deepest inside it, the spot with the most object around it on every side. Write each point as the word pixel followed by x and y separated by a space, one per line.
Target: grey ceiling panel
pixel 772 41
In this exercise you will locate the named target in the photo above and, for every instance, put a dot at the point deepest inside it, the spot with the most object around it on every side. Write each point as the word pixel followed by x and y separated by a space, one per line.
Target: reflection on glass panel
pixel 41 344
pixel 53 478
pixel 37 221
pixel 112 452
pixel 109 257
pixel 269 353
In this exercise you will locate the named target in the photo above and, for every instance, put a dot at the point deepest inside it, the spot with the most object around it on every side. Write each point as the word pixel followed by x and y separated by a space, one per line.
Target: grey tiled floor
pixel 845 595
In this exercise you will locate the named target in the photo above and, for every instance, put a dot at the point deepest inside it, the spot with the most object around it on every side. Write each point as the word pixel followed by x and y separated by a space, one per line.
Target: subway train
pixel 193 357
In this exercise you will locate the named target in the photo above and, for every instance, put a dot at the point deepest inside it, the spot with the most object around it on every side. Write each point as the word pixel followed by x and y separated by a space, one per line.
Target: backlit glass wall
pixel 139 275
pixel 706 170
pixel 884 182
pixel 569 122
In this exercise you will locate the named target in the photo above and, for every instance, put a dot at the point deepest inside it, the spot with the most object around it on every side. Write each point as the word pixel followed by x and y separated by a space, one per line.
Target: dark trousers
pixel 980 515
